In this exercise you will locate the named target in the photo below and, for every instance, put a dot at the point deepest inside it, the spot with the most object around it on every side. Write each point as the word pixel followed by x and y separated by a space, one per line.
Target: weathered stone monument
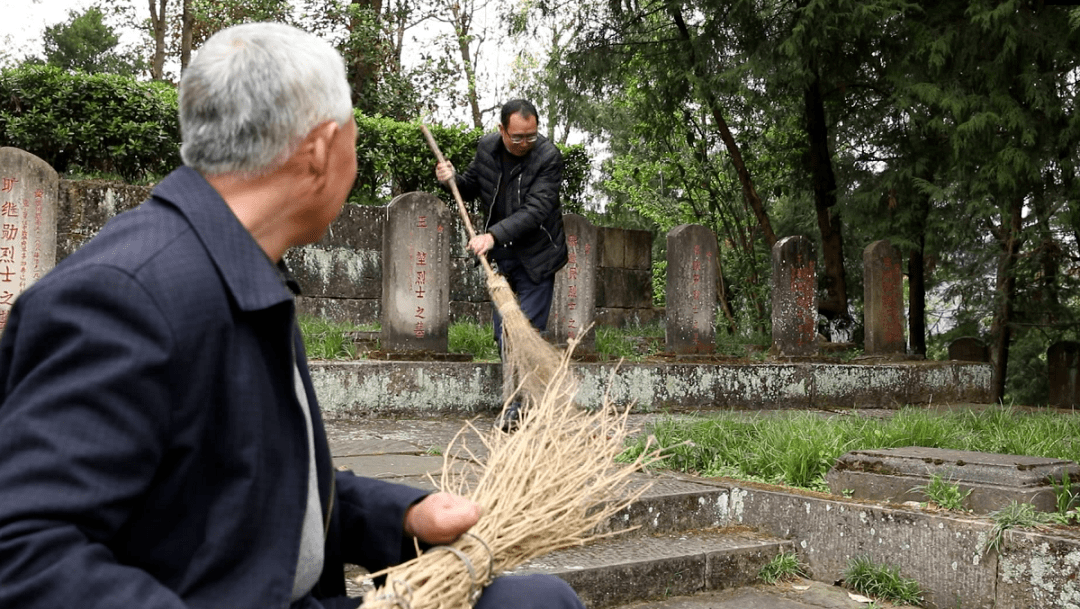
pixel 573 307
pixel 1063 366
pixel 993 480
pixel 883 291
pixel 794 297
pixel 624 294
pixel 969 349
pixel 691 289
pixel 28 196
pixel 416 274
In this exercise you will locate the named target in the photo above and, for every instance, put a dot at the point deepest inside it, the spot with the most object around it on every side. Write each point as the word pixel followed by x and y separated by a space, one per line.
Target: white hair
pixel 253 92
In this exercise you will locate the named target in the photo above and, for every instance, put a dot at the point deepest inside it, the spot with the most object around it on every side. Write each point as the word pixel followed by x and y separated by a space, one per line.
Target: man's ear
pixel 316 148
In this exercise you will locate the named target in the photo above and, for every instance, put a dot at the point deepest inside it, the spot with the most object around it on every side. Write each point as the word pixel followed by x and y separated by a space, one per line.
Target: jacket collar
pixel 252 278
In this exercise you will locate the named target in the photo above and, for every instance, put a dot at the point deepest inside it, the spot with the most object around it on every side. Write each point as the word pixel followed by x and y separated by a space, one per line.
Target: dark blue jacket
pixel 531 223
pixel 152 449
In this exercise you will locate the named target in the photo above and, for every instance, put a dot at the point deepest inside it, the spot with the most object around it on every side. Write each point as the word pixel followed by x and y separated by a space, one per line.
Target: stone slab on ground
pixel 619 570
pixel 898 475
pixel 799 594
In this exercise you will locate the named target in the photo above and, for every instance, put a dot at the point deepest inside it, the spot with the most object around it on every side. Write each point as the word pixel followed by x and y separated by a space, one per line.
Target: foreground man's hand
pixel 440 518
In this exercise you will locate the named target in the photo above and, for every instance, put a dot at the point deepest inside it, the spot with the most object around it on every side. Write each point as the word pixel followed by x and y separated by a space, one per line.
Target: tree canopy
pixel 948 128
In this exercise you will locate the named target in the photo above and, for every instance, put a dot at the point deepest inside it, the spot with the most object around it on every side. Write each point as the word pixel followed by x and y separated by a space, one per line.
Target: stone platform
pixel 363 389
pixel 897 475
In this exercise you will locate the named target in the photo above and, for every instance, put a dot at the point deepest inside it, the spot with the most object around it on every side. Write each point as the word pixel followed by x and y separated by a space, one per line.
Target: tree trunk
pixel 823 180
pixel 158 23
pixel 462 23
pixel 187 21
pixel 749 192
pixel 1000 330
pixel 917 300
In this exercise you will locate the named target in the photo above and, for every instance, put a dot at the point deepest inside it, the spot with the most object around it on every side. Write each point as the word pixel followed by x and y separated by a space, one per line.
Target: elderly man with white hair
pixel 160 441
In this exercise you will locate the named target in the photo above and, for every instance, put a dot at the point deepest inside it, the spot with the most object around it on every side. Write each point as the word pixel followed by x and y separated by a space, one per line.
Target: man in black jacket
pixel 516 175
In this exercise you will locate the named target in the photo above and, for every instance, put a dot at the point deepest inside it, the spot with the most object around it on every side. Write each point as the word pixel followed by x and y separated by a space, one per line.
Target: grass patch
pixel 473 338
pixel 944 493
pixel 798 448
pixel 632 343
pixel 324 339
pixel 881 582
pixel 785 566
pixel 1014 516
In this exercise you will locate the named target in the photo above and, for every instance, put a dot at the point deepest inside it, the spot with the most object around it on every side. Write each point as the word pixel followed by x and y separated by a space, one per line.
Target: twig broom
pixel 528 358
pixel 549 485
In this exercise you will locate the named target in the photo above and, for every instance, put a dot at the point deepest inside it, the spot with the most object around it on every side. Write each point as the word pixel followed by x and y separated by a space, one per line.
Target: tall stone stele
pixel 416 274
pixel 794 297
pixel 883 295
pixel 29 189
pixel 1063 368
pixel 691 290
pixel 573 306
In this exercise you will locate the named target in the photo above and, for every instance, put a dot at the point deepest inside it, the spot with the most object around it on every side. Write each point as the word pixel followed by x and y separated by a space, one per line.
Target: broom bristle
pixel 529 361
pixel 549 485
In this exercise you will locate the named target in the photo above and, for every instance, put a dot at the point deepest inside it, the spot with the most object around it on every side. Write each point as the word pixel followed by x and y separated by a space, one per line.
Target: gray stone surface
pixel 416 274
pixel 404 389
pixel 994 481
pixel 794 297
pixel 800 594
pixel 691 289
pixel 883 300
pixel 623 569
pixel 969 349
pixel 1063 366
pixel 29 189
pixel 573 306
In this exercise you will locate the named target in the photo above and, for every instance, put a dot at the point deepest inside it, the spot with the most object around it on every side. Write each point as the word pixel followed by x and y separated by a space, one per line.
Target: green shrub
pixel 112 124
pixel 91 122
pixel 393 158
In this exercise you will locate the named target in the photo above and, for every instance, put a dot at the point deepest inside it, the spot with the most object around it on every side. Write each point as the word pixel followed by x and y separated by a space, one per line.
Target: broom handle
pixel 453 182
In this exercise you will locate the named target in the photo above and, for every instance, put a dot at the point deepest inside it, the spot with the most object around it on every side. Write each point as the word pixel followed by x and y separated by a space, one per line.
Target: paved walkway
pixel 408 451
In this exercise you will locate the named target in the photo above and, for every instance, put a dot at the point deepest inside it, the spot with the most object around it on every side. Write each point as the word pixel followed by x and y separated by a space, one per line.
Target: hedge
pixel 111 124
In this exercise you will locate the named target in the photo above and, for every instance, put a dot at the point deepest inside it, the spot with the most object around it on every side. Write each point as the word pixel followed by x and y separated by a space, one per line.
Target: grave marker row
pixel 416 258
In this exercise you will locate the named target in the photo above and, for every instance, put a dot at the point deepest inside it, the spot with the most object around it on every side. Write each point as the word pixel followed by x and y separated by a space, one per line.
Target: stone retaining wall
pixel 944 553
pixel 400 389
pixel 341 273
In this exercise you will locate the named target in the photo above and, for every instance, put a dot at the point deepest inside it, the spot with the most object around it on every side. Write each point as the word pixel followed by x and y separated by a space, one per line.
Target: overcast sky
pixel 25 21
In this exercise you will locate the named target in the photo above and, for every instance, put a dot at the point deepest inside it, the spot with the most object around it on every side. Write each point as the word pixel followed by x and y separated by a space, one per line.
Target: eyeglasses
pixel 517 139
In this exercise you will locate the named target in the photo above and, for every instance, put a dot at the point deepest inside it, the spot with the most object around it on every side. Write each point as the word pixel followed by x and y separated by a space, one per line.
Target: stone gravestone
pixel 573 307
pixel 883 294
pixel 968 349
pixel 29 189
pixel 1063 365
pixel 416 274
pixel 691 290
pixel 794 297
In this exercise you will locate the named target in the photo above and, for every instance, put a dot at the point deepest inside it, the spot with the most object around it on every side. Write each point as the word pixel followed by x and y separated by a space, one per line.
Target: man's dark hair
pixel 517 106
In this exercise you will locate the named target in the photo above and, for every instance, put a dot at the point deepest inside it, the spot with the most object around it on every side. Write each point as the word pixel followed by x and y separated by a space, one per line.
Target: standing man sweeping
pixel 161 446
pixel 517 175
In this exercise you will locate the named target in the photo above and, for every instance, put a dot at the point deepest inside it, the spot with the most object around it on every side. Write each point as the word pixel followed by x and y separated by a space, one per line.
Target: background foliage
pixel 948 128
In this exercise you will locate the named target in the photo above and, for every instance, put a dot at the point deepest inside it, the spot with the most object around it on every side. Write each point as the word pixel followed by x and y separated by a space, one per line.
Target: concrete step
pixel 620 570
pixel 797 594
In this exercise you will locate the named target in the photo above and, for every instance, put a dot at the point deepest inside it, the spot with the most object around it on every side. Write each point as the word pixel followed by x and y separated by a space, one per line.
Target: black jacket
pixel 532 225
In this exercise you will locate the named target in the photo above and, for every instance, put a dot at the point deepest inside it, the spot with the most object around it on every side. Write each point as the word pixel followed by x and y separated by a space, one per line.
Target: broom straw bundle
pixel 549 485
pixel 528 359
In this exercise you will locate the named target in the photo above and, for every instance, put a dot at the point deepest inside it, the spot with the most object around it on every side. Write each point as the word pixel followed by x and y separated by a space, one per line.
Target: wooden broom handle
pixel 453 182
